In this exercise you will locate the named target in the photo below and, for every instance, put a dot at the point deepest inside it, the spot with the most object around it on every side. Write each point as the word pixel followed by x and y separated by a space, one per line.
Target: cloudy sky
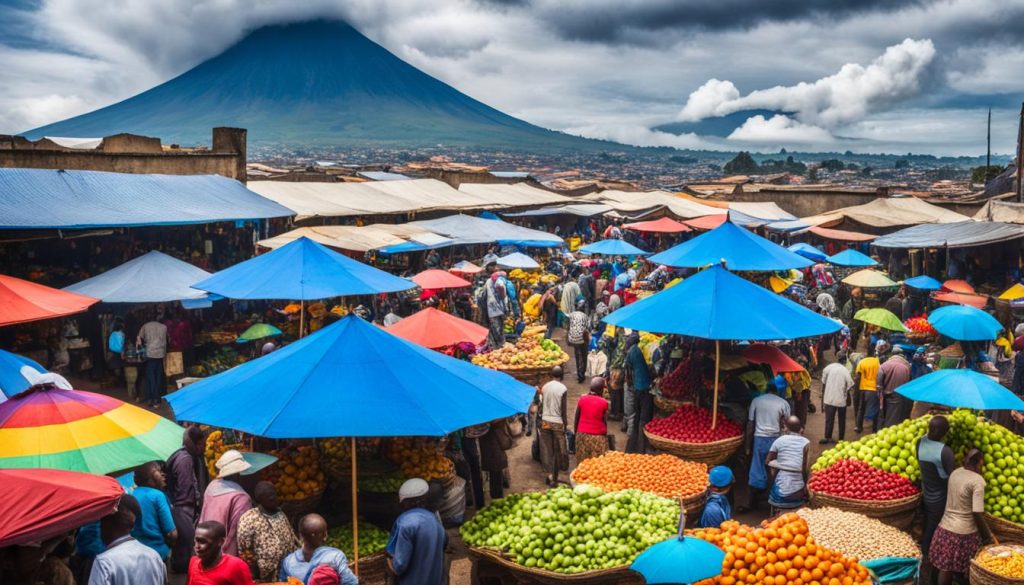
pixel 863 75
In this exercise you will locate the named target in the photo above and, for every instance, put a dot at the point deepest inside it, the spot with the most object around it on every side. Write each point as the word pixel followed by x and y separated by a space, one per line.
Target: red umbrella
pixel 972 300
pixel 665 225
pixel 43 503
pixel 22 301
pixel 761 353
pixel 433 328
pixel 434 279
pixel 958 286
pixel 708 222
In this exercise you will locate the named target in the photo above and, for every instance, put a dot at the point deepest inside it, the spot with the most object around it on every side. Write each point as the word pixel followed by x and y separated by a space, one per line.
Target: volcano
pixel 316 84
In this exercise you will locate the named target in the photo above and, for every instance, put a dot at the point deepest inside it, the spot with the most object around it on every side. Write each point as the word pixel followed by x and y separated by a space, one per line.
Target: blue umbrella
pixel 852 258
pixel 613 247
pixel 923 282
pixel 721 305
pixel 965 323
pixel 807 251
pixel 680 559
pixel 739 248
pixel 961 389
pixel 518 260
pixel 351 379
pixel 12 376
pixel 301 270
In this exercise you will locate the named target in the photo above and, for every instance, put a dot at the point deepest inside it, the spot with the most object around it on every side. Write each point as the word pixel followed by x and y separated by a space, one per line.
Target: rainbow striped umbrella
pixel 46 427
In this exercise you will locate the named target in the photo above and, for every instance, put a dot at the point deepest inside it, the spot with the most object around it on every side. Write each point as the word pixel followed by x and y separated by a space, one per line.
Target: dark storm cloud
pixel 630 20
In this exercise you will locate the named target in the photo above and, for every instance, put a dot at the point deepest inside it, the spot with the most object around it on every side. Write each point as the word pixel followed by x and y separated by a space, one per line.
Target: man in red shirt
pixel 212 567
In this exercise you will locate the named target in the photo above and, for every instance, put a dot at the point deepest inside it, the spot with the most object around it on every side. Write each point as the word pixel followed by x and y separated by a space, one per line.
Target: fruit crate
pixel 714 453
pixel 613 576
pixel 896 513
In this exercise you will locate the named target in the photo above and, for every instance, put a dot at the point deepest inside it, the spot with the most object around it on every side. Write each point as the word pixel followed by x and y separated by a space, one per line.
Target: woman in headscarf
pixel 827 304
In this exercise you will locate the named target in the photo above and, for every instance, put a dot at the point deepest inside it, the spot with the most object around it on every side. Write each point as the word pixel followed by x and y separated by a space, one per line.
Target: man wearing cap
pixel 891 375
pixel 416 546
pixel 224 500
pixel 717 508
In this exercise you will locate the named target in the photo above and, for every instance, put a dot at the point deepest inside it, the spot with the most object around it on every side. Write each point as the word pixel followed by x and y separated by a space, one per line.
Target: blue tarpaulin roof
pixel 613 247
pixel 807 251
pixel 721 305
pixel 49 199
pixel 302 270
pixel 951 235
pixel 739 248
pixel 466 229
pixel 851 257
pixel 153 277
pixel 352 379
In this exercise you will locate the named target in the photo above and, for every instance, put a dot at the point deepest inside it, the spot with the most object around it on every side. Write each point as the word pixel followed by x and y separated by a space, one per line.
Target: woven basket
pixel 896 513
pixel 614 576
pixel 712 454
pixel 1004 529
pixel 372 568
pixel 669 405
pixel 296 509
pixel 981 576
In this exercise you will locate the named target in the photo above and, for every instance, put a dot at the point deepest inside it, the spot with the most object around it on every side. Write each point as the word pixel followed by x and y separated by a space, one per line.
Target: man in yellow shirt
pixel 866 379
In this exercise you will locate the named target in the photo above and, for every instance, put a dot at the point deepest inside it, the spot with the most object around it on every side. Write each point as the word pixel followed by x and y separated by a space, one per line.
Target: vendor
pixel 962 529
pixel 717 508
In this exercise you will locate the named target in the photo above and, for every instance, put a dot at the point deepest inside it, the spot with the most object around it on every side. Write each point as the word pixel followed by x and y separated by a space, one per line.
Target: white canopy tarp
pixel 627 202
pixel 466 229
pixel 889 212
pixel 513 195
pixel 1004 211
pixel 153 277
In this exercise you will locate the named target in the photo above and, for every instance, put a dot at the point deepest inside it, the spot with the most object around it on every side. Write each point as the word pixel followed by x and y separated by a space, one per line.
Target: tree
pixel 902 164
pixel 832 165
pixel 982 174
pixel 742 164
pixel 812 174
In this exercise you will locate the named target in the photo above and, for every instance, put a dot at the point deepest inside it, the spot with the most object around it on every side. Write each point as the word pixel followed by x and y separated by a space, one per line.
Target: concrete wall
pixel 126 153
pixel 810 202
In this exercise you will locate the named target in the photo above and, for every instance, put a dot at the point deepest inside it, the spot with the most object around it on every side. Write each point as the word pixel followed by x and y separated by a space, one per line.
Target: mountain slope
pixel 319 83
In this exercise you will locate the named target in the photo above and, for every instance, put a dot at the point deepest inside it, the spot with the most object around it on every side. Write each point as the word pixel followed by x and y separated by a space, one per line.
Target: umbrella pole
pixel 355 513
pixel 302 318
pixel 714 403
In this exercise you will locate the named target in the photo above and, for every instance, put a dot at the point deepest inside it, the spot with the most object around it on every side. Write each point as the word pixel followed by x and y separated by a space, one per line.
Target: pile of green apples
pixel 372 540
pixel 894 449
pixel 574 530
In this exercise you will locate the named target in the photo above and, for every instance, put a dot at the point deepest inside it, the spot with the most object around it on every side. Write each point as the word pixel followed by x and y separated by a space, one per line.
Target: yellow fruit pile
pixel 339 449
pixel 215 447
pixel 296 474
pixel 781 553
pixel 1004 560
pixel 420 457
pixel 527 353
pixel 532 278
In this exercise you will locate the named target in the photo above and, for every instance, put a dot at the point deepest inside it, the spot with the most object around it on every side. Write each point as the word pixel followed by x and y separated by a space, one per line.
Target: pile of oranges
pixel 296 474
pixel 781 553
pixel 665 475
pixel 421 457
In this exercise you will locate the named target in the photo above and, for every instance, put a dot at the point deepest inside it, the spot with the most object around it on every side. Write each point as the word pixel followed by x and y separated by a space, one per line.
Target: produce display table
pixel 897 513
pixel 714 453
pixel 614 576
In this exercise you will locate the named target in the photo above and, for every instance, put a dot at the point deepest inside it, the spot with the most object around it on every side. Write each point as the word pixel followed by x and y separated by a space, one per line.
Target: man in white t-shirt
pixel 789 464
pixel 554 454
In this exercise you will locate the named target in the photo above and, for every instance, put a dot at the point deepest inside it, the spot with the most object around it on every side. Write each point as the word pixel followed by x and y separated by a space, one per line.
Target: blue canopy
pixel 352 379
pixel 466 229
pixel 301 270
pixel 739 248
pixel 59 199
pixel 851 257
pixel 716 304
pixel 807 251
pixel 613 247
pixel 153 277
pixel 12 377
pixel 961 389
pixel 518 260
pixel 679 560
pixel 923 282
pixel 965 323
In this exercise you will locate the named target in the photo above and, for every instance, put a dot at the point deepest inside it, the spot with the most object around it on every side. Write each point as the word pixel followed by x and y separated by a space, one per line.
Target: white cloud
pixel 780 129
pixel 848 95
pixel 640 136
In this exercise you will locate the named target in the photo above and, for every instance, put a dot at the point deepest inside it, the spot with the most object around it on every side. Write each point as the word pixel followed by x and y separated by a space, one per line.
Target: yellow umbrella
pixel 1013 293
pixel 779 284
pixel 869 278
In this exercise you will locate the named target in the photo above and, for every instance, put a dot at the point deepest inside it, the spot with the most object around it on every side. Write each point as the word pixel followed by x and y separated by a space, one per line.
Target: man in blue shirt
pixel 155 526
pixel 639 401
pixel 416 546
pixel 303 562
pixel 717 508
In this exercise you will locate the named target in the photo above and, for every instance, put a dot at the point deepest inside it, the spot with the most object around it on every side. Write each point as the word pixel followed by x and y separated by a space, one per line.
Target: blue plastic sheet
pixel 893 569
pixel 613 247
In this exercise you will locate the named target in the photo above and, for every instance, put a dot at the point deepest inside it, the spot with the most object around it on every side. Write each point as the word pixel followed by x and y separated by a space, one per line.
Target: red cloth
pixel 324 575
pixel 435 279
pixel 592 410
pixel 22 301
pixel 50 502
pixel 230 570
